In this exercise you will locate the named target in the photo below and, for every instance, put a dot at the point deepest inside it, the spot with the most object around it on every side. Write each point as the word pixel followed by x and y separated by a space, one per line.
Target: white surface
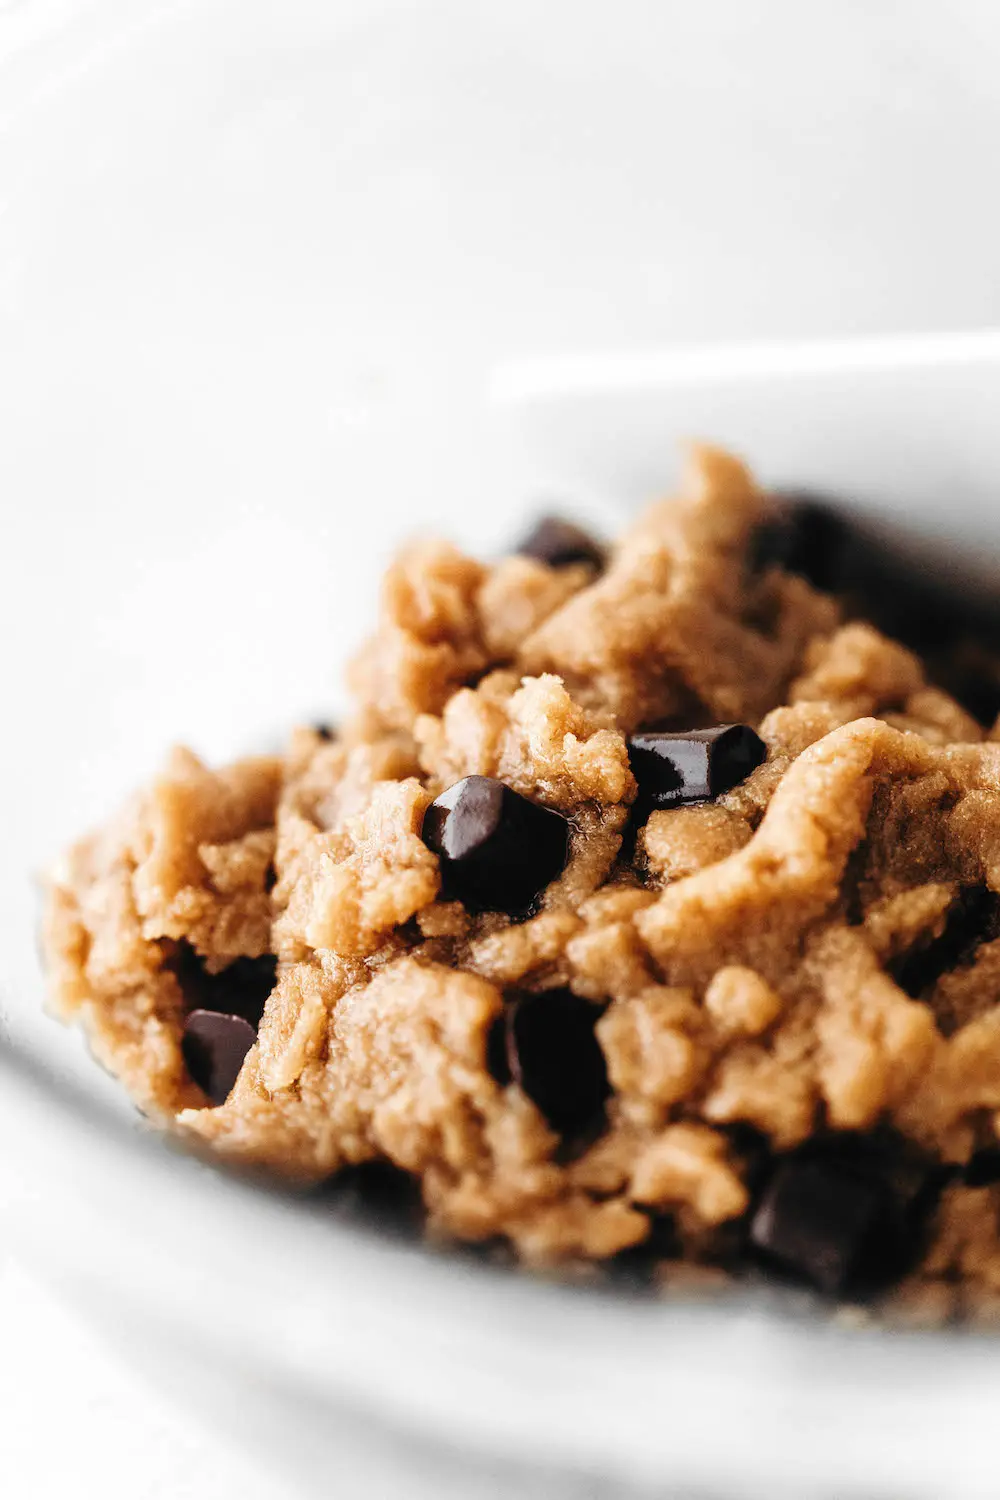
pixel 76 1420
pixel 237 235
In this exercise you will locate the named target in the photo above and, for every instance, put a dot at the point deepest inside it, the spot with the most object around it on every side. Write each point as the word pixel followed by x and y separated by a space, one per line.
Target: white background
pixel 221 221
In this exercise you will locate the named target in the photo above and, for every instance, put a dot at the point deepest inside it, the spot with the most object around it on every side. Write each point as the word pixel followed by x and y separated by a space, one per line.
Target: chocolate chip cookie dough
pixel 644 911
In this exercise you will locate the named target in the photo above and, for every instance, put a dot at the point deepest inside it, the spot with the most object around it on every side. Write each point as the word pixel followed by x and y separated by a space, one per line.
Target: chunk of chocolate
pixel 377 1194
pixel 973 918
pixel 551 1051
pixel 635 1267
pixel 806 537
pixel 325 731
pixel 956 631
pixel 558 543
pixel 984 1168
pixel 497 1064
pixel 214 1047
pixel 693 766
pixel 844 1215
pixel 498 850
pixel 970 672
pixel 240 989
pixel 815 1219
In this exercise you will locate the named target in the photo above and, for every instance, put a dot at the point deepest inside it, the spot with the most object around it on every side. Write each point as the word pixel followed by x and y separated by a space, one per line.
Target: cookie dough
pixel 537 933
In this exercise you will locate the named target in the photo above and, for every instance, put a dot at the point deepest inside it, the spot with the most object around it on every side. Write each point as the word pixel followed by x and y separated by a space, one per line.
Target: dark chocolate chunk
pixel 843 1215
pixel 558 543
pixel 954 629
pixel 971 674
pixel 674 768
pixel 984 1168
pixel 214 1047
pixel 635 1267
pixel 815 1219
pixel 576 1142
pixel 377 1194
pixel 325 731
pixel 806 537
pixel 240 989
pixel 498 850
pixel 973 918
pixel 554 1055
pixel 497 1064
pixel 752 1151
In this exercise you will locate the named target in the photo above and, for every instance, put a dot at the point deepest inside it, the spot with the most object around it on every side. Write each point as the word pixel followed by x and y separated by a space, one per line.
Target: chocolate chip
pixel 674 768
pixel 555 1057
pixel 577 1141
pixel 955 630
pixel 973 918
pixel 814 1220
pixel 977 690
pixel 558 543
pixel 325 731
pixel 968 666
pixel 497 1064
pixel 984 1168
pixel 214 1047
pixel 498 850
pixel 843 1215
pixel 751 1150
pixel 635 1267
pixel 240 989
pixel 377 1194
pixel 806 537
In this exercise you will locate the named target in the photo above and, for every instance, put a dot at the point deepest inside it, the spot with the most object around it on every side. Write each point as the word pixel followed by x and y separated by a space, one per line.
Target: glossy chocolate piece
pixel 551 1051
pixel 695 765
pixel 240 989
pixel 814 1219
pixel 844 1214
pixel 498 850
pixel 214 1047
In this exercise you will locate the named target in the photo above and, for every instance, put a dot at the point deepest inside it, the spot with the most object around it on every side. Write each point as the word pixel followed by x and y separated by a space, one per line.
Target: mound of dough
pixel 794 986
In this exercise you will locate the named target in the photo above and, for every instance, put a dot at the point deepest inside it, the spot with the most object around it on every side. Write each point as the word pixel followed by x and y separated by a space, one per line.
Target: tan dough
pixel 744 954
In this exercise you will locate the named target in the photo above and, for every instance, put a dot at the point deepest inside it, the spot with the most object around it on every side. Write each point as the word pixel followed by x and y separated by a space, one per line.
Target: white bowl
pixel 289 1323
pixel 268 276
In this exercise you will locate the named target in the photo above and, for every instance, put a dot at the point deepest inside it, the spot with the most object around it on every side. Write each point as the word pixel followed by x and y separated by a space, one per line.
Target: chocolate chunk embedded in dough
pixel 558 543
pixel 693 766
pixel 377 1194
pixel 240 989
pixel 498 850
pixel 814 1220
pixel 804 537
pixel 554 1055
pixel 984 1168
pixel 954 628
pixel 845 1214
pixel 214 1047
pixel 973 918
